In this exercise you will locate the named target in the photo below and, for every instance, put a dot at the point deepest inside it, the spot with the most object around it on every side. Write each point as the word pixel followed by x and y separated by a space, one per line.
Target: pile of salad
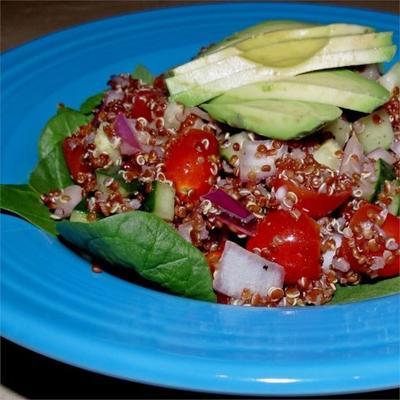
pixel 264 172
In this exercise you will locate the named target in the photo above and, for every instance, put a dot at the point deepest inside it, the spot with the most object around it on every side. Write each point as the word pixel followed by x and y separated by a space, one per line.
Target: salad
pixel 264 172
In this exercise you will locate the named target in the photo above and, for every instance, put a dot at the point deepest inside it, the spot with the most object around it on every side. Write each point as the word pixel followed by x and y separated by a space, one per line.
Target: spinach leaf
pixel 366 291
pixel 23 201
pixel 142 73
pixel 90 103
pixel 63 124
pixel 51 172
pixel 146 243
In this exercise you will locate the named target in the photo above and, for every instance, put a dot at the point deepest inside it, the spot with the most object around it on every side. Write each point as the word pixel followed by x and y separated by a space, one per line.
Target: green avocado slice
pixel 276 119
pixel 341 88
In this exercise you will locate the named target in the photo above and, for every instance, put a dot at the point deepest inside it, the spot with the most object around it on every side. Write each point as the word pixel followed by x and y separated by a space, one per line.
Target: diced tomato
pixel 148 103
pixel 74 151
pixel 315 204
pixel 374 244
pixel 189 162
pixel 294 243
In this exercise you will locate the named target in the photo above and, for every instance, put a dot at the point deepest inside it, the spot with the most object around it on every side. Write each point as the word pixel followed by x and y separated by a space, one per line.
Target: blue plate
pixel 52 302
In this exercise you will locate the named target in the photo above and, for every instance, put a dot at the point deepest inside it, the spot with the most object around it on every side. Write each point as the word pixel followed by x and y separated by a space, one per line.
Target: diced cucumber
pixel 161 201
pixel 340 129
pixel 376 131
pixel 227 150
pixel 394 206
pixel 104 146
pixel 79 216
pixel 327 154
pixel 384 172
pixel 104 176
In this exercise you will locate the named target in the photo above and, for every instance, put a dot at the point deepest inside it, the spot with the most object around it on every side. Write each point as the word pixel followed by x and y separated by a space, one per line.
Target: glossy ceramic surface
pixel 53 303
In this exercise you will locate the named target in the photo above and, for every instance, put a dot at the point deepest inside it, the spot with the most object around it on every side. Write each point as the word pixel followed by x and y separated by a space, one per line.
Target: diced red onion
pixel 383 154
pixel 233 213
pixel 70 197
pixel 126 130
pixel 113 95
pixel 353 157
pixel 250 165
pixel 240 269
pixel 228 204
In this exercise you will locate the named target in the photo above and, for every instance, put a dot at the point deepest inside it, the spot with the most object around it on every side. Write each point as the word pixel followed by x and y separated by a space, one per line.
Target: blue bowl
pixel 53 304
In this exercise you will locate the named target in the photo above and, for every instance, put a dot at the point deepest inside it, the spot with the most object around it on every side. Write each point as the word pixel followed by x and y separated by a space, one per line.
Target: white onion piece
pixel 184 230
pixel 173 116
pixel 340 264
pixel 395 147
pixel 240 269
pixel 297 154
pixel 371 71
pixel 383 154
pixel 70 197
pixel 329 254
pixel 249 164
pixel 199 113
pixel 353 157
pixel 113 95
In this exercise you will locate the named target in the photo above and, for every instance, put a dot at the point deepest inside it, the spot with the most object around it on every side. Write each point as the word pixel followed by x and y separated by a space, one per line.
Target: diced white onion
pixel 250 165
pixel 70 197
pixel 353 157
pixel 240 269
pixel 383 154
pixel 329 254
pixel 173 115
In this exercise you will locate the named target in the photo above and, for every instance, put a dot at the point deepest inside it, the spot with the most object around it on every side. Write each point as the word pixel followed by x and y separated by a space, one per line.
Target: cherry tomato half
pixel 73 154
pixel 190 161
pixel 373 245
pixel 314 204
pixel 294 243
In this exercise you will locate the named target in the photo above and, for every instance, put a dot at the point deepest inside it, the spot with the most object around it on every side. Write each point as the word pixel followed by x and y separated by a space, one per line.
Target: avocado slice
pixel 255 30
pixel 276 119
pixel 342 88
pixel 279 57
pixel 331 30
pixel 196 94
pixel 269 33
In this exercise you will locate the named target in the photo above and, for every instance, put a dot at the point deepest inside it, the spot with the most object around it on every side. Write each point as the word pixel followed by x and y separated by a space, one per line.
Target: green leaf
pixel 365 291
pixel 142 73
pixel 51 172
pixel 146 243
pixel 90 103
pixel 23 201
pixel 63 124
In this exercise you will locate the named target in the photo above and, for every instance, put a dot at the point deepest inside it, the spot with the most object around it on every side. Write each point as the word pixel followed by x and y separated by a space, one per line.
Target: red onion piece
pixel 125 129
pixel 383 154
pixel 70 197
pixel 229 205
pixel 240 269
